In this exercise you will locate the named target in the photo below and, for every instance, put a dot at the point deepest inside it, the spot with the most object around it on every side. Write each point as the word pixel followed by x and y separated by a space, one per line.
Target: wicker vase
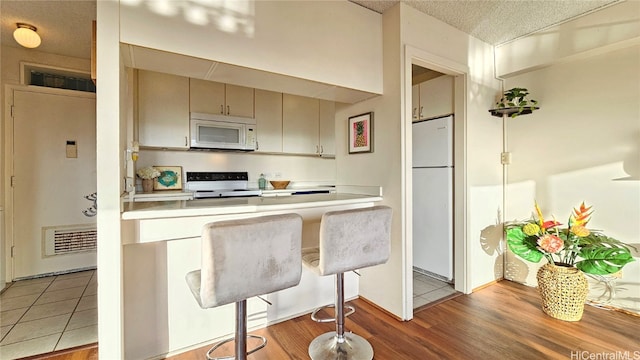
pixel 563 290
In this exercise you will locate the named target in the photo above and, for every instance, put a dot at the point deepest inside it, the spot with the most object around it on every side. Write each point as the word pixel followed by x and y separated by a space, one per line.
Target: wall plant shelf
pixel 509 111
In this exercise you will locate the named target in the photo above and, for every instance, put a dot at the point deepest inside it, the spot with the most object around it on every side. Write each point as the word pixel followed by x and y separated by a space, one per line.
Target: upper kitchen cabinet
pixel 163 110
pixel 268 109
pixel 300 124
pixel 327 128
pixel 436 97
pixel 415 103
pixel 308 126
pixel 217 98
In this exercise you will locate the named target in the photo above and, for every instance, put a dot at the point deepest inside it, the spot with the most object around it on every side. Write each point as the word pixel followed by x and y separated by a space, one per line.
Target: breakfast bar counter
pixel 222 206
pixel 146 222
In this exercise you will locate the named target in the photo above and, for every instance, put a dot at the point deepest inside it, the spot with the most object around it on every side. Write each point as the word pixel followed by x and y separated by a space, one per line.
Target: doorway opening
pixel 50 186
pixel 432 156
pixel 459 72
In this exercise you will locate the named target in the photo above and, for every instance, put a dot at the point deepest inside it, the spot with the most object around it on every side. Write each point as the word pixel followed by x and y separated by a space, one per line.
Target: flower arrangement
pixel 588 250
pixel 148 173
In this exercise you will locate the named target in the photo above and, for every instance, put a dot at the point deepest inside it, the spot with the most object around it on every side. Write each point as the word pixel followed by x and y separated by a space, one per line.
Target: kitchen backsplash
pixel 300 170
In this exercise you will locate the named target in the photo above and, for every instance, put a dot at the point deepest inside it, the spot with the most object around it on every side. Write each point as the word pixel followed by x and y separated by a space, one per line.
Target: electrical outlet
pixel 129 184
pixel 505 158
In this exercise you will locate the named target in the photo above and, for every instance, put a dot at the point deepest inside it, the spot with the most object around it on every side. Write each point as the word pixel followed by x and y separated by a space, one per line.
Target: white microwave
pixel 212 131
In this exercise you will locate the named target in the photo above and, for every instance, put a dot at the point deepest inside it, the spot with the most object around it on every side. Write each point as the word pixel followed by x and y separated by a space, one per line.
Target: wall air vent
pixel 70 239
pixel 55 77
pixel 61 82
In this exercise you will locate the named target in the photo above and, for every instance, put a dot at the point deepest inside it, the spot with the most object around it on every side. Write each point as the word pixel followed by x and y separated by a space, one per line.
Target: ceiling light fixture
pixel 27 36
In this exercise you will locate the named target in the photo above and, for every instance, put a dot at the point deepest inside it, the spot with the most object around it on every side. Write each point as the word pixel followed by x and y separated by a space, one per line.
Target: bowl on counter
pixel 279 184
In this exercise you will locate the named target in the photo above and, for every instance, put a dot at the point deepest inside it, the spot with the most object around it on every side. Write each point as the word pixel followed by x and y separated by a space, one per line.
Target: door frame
pixel 461 260
pixel 7 241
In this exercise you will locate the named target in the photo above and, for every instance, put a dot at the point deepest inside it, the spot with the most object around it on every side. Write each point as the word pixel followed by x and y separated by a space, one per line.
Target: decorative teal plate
pixel 168 178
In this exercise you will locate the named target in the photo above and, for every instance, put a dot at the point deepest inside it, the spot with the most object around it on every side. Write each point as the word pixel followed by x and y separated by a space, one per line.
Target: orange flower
pixel 550 243
pixel 580 215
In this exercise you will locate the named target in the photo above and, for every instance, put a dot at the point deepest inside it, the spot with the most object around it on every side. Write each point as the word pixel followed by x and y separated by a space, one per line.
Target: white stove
pixel 219 185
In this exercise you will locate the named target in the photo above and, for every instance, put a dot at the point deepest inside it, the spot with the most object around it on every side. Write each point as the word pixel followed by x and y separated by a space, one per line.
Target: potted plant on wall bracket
pixel 514 102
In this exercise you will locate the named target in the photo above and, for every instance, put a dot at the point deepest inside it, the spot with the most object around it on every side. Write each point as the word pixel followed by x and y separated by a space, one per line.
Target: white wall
pixel 303 39
pixel 110 121
pixel 389 163
pixel 613 27
pixel 381 284
pixel 478 142
pixel 582 145
pixel 586 136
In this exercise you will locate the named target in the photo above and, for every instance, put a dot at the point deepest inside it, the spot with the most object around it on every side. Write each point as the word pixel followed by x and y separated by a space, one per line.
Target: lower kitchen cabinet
pixel 163 110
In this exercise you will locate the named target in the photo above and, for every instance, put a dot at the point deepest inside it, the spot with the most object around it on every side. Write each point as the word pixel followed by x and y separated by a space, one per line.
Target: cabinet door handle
pixel 317 149
pixel 228 110
pixel 185 141
pixel 415 110
pixel 222 109
pixel 257 145
pixel 421 107
pixel 321 149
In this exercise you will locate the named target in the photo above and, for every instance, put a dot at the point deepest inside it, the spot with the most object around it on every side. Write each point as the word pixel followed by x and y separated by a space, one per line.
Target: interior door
pixel 54 177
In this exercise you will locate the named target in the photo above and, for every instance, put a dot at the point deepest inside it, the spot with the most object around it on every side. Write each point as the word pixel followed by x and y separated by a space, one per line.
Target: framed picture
pixel 170 178
pixel 361 133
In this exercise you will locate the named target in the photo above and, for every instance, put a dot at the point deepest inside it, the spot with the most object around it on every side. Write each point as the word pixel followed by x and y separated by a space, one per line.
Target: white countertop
pixel 204 207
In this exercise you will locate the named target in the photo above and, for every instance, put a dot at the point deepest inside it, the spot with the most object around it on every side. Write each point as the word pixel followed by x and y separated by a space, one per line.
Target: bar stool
pixel 349 240
pixel 246 258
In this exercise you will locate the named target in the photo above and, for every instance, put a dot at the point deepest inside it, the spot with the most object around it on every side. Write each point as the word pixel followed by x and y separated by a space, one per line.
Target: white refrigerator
pixel 433 197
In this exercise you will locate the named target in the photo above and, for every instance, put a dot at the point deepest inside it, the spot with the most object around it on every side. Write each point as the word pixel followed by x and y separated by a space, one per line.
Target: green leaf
pixel 522 245
pixel 602 260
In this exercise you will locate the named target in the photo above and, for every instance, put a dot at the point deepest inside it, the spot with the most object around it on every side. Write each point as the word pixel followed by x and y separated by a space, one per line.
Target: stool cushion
pixel 247 257
pixel 350 240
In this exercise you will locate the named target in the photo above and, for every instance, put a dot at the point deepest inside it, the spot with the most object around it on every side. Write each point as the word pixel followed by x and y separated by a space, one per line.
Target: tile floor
pixel 47 314
pixel 427 289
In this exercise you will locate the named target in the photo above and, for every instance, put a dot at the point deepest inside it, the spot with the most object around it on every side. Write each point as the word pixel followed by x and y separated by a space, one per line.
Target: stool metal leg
pixel 240 338
pixel 338 345
pixel 241 330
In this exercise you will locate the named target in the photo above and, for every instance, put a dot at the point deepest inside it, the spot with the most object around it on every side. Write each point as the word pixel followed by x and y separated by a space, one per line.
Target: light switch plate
pixel 72 149
pixel 505 158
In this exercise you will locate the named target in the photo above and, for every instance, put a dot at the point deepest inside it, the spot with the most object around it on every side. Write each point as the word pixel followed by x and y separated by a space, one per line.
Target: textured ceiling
pixel 496 21
pixel 65 25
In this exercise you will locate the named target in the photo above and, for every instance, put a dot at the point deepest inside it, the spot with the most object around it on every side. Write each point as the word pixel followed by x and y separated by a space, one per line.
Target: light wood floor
pixel 502 321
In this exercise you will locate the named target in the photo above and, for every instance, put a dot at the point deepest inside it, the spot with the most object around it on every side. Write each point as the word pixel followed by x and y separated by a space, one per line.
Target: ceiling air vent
pixel 60 240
